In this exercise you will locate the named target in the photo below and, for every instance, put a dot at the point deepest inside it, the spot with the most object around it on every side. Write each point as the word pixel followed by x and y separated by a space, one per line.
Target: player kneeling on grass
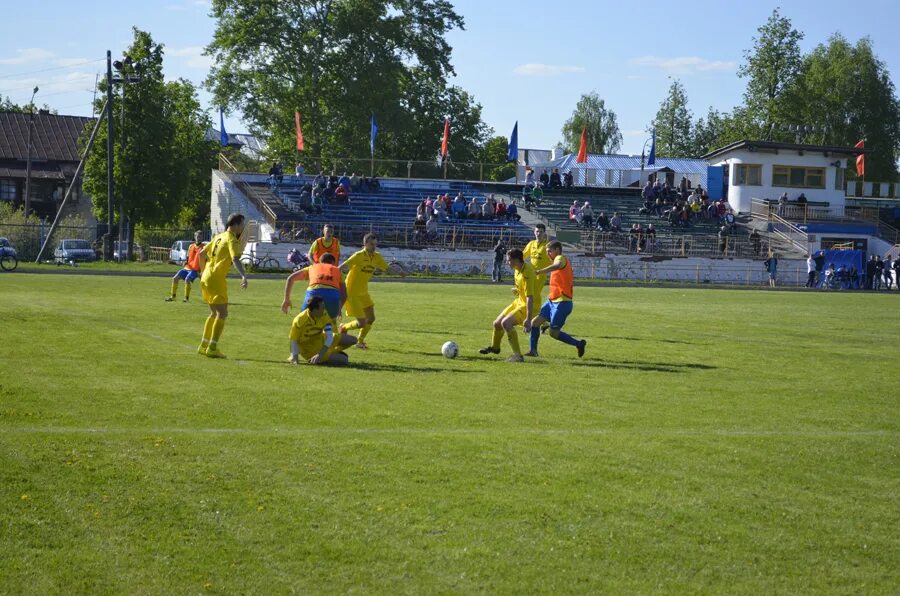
pixel 559 303
pixel 517 313
pixel 191 270
pixel 312 338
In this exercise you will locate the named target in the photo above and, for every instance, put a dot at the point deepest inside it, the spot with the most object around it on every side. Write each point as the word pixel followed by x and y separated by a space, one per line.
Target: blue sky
pixel 523 60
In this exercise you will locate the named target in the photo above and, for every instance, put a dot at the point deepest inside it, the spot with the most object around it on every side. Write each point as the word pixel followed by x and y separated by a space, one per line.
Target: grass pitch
pixel 710 441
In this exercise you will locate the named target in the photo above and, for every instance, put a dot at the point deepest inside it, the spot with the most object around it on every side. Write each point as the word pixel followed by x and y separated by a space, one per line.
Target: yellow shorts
pixel 356 305
pixel 517 309
pixel 311 348
pixel 214 292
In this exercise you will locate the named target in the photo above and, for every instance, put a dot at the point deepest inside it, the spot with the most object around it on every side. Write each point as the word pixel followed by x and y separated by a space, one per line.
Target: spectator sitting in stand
pixel 344 181
pixel 537 194
pixel 575 212
pixel 634 236
pixel 501 210
pixel 333 181
pixel 801 200
pixel 317 199
pixel 650 234
pixel 755 241
pixel 512 212
pixel 728 220
pixel 555 181
pixel 355 182
pixel 568 180
pixel 615 223
pixel 459 207
pixel 683 187
pixel 320 180
pixel 342 195
pixel 273 176
pixel 602 222
pixel 421 209
pixel 473 209
pixel 529 177
pixel 647 192
pixel 300 173
pixel 587 215
pixel 487 209
pixel 545 179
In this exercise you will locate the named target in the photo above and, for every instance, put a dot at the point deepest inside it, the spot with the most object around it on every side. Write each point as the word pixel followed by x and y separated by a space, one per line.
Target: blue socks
pixel 567 339
pixel 535 336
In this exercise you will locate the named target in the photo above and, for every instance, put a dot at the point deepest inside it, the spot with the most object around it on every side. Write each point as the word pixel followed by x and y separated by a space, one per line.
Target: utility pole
pixel 28 161
pixel 108 248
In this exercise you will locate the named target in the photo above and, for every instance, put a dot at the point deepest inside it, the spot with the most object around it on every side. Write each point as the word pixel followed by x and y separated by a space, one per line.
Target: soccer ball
pixel 450 349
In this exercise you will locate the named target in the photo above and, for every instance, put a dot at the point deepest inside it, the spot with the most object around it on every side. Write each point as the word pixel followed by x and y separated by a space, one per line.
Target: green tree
pixel 845 91
pixel 337 63
pixel 162 160
pixel 603 135
pixel 708 132
pixel 495 151
pixel 771 67
pixel 673 124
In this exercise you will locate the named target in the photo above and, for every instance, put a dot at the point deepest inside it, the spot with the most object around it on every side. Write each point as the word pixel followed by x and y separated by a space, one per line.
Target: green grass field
pixel 710 441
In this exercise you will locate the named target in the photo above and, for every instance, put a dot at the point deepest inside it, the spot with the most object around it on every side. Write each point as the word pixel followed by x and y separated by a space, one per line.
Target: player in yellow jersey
pixel 312 339
pixel 216 259
pixel 362 265
pixel 517 313
pixel 327 244
pixel 558 306
pixel 536 253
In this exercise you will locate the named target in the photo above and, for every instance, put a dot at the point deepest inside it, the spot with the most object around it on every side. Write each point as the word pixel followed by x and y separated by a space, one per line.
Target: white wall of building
pixel 740 197
pixel 225 199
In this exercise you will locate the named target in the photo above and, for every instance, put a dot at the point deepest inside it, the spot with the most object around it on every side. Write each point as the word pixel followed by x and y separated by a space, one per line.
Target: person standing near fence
pixel 810 271
pixel 499 255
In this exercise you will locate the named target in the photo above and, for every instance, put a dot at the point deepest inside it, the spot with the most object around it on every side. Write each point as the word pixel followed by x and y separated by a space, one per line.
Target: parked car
pixel 74 250
pixel 179 251
pixel 137 251
pixel 6 249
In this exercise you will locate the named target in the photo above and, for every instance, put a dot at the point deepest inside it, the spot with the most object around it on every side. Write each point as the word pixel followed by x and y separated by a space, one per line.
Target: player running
pixel 312 338
pixel 327 244
pixel 517 313
pixel 191 269
pixel 362 265
pixel 325 281
pixel 536 252
pixel 216 259
pixel 559 304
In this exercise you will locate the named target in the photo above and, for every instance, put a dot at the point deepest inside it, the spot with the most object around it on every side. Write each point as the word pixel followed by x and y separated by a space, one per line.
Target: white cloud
pixel 71 61
pixel 28 56
pixel 193 56
pixel 684 65
pixel 545 70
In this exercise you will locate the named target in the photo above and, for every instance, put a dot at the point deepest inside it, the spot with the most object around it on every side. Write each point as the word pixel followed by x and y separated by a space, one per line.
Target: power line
pixel 42 84
pixel 19 74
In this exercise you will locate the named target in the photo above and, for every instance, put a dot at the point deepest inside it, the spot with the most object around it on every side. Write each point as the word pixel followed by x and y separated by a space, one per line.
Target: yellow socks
pixel 364 332
pixel 174 288
pixel 496 338
pixel 218 326
pixel 187 291
pixel 351 326
pixel 513 337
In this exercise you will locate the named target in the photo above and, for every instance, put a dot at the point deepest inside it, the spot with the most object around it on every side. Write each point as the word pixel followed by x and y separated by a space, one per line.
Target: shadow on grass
pixel 665 341
pixel 479 358
pixel 666 367
pixel 400 368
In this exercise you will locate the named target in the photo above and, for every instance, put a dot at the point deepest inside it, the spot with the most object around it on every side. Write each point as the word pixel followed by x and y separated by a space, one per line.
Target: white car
pixel 179 251
pixel 70 250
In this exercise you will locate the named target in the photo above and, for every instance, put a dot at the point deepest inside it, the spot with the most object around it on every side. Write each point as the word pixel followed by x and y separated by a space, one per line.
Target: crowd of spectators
pixel 442 209
pixel 685 206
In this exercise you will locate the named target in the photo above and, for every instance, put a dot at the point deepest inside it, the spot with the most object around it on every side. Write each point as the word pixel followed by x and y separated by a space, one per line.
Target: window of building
pixel 839 179
pixel 747 174
pixel 798 177
pixel 7 190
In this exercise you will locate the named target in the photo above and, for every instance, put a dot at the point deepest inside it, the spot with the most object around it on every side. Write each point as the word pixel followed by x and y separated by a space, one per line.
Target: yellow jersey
pixel 220 252
pixel 537 252
pixel 309 333
pixel 526 283
pixel 362 266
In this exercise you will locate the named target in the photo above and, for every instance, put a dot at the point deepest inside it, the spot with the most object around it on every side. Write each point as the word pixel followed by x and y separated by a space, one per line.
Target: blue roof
pixel 625 162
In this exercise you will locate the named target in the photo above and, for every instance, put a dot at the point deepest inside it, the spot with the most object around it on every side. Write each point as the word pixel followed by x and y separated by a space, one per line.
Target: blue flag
pixel 513 153
pixel 651 161
pixel 223 136
pixel 374 134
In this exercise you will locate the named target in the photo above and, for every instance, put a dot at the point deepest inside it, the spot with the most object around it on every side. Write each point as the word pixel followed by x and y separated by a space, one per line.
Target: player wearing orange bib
pixel 191 269
pixel 216 259
pixel 558 306
pixel 325 281
pixel 327 244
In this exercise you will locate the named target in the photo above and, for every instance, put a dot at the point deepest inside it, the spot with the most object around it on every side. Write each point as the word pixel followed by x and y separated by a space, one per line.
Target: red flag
pixel 299 132
pixel 582 150
pixel 861 159
pixel 446 138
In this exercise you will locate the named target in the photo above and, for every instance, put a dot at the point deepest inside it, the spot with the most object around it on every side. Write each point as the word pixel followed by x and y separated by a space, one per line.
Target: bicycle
pixel 8 262
pixel 263 262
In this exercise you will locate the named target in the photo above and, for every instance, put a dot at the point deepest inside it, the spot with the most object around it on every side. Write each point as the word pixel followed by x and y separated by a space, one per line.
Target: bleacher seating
pixel 390 212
